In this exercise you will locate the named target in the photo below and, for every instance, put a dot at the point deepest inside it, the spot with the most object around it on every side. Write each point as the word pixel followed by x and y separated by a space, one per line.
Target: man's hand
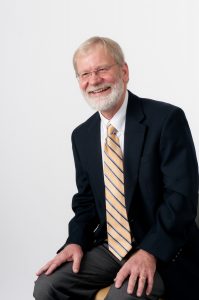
pixel 139 267
pixel 72 252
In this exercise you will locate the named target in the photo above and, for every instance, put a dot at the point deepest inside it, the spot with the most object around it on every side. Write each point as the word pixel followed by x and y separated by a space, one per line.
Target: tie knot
pixel 111 130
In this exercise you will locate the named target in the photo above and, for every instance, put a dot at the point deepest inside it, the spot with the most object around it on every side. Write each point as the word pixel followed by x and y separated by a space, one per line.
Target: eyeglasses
pixel 101 71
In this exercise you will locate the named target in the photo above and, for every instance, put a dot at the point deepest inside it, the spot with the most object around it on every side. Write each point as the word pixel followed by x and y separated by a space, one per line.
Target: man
pixel 137 178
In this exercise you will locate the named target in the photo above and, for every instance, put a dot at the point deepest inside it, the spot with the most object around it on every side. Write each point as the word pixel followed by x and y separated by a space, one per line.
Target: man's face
pixel 102 81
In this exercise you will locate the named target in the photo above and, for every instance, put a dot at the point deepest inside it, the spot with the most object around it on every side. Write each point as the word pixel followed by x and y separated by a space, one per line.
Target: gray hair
pixel 111 46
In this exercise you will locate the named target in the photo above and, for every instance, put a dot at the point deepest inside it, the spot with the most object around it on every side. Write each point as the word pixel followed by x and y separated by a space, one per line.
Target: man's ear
pixel 125 73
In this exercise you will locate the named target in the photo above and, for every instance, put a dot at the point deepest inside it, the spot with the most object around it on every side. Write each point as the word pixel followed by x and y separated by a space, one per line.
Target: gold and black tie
pixel 118 230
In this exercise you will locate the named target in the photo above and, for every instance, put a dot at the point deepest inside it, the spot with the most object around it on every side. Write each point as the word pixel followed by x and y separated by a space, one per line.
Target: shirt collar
pixel 118 119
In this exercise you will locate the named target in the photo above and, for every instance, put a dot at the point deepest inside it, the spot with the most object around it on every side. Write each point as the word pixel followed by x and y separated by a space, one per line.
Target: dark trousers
pixel 98 269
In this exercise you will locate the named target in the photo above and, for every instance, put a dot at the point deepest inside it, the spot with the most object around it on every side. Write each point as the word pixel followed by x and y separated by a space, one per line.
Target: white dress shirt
pixel 118 121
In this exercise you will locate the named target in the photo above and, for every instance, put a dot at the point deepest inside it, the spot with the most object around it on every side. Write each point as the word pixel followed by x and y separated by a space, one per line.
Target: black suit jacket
pixel 161 186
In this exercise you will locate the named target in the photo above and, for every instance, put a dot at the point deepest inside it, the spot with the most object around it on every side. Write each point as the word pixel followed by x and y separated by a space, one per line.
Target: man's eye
pixel 84 75
pixel 102 70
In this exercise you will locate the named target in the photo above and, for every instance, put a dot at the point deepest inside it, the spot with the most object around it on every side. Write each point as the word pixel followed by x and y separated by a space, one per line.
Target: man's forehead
pixel 95 49
pixel 96 54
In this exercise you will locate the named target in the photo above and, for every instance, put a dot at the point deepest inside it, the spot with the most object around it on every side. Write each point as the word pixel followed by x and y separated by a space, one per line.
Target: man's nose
pixel 95 78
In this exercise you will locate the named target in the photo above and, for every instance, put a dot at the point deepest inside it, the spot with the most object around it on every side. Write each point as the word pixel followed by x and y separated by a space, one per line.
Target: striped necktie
pixel 118 230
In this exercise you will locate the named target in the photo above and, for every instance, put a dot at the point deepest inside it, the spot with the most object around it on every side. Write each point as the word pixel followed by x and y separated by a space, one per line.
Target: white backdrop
pixel 40 104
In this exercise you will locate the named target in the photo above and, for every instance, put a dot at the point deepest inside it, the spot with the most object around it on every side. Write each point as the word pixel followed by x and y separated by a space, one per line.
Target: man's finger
pixel 121 276
pixel 51 268
pixel 131 283
pixel 43 269
pixel 76 263
pixel 141 285
pixel 150 285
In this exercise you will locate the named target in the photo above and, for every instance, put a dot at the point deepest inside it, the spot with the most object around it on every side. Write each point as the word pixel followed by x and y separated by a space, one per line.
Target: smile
pixel 98 91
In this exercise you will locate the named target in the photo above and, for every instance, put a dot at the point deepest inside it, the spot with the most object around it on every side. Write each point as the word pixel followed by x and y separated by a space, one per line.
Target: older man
pixel 137 179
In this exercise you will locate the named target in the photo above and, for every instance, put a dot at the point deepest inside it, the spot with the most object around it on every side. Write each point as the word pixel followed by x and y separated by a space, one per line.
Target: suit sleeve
pixel 84 222
pixel 175 218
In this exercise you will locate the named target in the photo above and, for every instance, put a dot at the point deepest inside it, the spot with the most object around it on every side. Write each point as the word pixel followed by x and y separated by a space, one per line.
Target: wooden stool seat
pixel 101 294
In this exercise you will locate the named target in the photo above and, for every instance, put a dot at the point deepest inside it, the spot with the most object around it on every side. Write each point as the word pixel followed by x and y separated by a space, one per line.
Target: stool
pixel 101 294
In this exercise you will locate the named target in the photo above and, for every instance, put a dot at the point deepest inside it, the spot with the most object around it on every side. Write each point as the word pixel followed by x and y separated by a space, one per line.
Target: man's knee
pixel 43 289
pixel 56 285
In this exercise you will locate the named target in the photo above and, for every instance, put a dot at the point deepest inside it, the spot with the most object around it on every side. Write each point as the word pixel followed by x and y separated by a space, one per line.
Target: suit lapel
pixel 133 145
pixel 95 162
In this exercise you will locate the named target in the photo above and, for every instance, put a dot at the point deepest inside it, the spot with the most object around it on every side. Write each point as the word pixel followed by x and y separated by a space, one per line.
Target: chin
pixel 101 104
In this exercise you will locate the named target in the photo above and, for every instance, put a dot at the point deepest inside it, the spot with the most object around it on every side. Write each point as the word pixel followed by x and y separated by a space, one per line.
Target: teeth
pixel 99 91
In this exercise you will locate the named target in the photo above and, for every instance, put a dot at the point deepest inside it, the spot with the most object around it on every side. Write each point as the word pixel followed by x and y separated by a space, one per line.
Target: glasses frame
pixel 100 71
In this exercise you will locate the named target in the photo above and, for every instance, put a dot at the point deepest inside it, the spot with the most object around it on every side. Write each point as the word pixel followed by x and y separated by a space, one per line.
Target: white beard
pixel 105 103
